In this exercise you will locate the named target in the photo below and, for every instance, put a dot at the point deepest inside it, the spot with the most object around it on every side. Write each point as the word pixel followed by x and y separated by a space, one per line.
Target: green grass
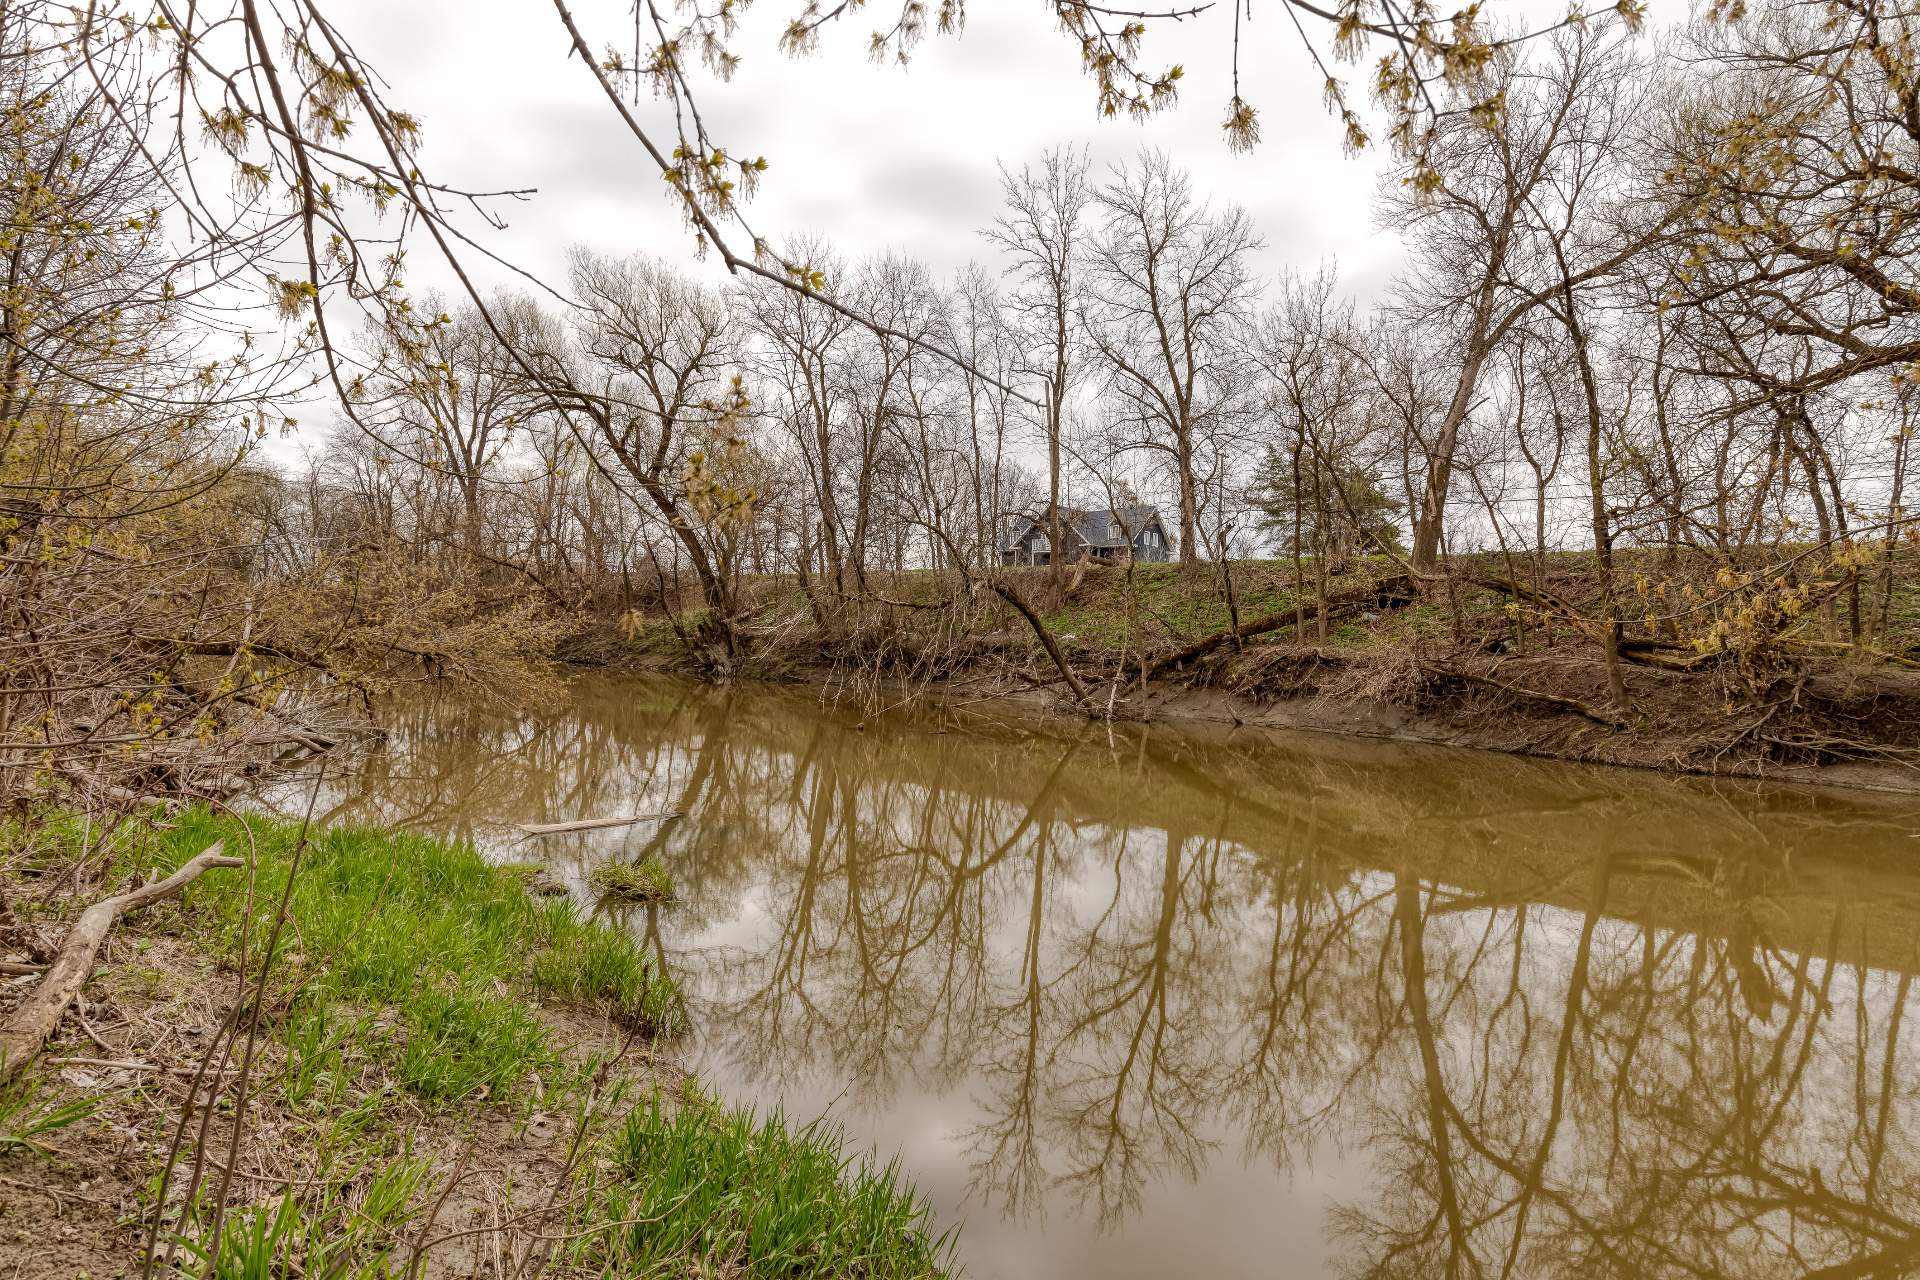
pixel 603 966
pixel 644 881
pixel 1178 604
pixel 1164 600
pixel 520 871
pixel 26 1122
pixel 426 930
pixel 733 1193
pixel 406 972
pixel 338 1230
pixel 658 633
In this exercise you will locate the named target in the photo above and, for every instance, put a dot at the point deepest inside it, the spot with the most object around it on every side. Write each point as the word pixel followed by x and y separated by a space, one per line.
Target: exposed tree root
pixel 1534 695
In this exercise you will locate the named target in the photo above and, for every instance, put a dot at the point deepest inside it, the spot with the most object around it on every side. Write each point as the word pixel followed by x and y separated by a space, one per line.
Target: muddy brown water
pixel 1156 1002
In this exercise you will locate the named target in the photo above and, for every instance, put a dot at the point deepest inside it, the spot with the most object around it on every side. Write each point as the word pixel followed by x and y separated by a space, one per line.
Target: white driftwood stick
pixel 131 1064
pixel 591 824
pixel 36 1017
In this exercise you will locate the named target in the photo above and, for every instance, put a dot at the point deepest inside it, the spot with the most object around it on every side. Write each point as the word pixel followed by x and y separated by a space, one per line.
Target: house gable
pixel 1103 533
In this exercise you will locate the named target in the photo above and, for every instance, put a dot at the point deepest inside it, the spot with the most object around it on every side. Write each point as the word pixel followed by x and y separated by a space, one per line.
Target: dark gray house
pixel 1097 535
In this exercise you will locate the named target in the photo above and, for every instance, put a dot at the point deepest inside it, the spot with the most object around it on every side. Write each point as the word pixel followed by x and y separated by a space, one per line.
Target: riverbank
pixel 419 1067
pixel 1746 680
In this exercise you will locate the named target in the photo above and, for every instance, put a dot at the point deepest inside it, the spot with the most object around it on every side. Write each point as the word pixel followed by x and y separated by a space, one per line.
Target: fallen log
pixel 1387 593
pixel 1006 592
pixel 1842 646
pixel 594 824
pixel 1668 655
pixel 37 1016
pixel 1200 649
pixel 1646 651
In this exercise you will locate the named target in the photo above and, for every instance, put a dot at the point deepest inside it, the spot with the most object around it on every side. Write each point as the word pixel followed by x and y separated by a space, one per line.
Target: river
pixel 1150 1002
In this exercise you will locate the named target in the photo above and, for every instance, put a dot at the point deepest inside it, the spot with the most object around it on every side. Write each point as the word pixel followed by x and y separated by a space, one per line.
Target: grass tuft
pixel 598 966
pixel 646 881
pixel 727 1191
pixel 25 1122
pixel 339 1230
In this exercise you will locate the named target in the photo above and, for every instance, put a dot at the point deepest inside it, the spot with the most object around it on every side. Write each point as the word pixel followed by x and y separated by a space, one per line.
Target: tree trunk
pixel 1429 524
pixel 1610 628
pixel 1190 548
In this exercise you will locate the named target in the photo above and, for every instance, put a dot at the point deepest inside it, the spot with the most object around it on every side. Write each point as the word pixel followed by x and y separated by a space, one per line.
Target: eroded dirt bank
pixel 1758 679
pixel 1674 726
pixel 1846 727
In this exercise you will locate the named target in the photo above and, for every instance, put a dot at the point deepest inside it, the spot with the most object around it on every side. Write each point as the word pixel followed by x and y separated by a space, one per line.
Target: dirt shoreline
pixel 1384 720
pixel 1680 725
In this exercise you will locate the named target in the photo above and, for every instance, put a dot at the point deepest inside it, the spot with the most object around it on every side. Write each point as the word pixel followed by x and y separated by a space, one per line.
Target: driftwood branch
pixel 1014 598
pixel 36 1017
pixel 594 824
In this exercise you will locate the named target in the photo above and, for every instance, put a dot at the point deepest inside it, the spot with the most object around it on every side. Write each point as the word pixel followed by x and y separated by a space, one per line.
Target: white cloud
pixel 871 157
pixel 874 157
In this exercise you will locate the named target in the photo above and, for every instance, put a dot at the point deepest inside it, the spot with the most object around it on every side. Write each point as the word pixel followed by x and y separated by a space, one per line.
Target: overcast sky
pixel 872 156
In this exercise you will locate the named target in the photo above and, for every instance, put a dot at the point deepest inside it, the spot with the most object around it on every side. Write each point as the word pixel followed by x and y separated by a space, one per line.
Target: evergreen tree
pixel 1342 510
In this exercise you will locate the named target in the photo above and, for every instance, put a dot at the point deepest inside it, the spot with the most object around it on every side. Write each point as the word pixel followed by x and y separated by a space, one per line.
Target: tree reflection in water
pixel 1551 1021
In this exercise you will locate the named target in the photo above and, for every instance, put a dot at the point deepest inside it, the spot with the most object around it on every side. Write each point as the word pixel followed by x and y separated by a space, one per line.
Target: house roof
pixel 1094 528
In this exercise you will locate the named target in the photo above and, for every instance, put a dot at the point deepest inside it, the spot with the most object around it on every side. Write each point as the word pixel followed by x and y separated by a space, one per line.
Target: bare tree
pixel 1043 233
pixel 1172 294
pixel 655 372
pixel 1475 275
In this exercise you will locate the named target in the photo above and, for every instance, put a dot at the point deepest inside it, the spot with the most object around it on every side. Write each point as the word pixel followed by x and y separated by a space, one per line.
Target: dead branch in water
pixel 40 1013
pixel 593 824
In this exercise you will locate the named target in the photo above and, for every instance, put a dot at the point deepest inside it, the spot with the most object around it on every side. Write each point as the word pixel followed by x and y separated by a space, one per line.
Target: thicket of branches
pixel 174 622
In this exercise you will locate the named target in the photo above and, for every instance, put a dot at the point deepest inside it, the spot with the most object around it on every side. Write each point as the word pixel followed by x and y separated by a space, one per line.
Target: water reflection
pixel 1145 1002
